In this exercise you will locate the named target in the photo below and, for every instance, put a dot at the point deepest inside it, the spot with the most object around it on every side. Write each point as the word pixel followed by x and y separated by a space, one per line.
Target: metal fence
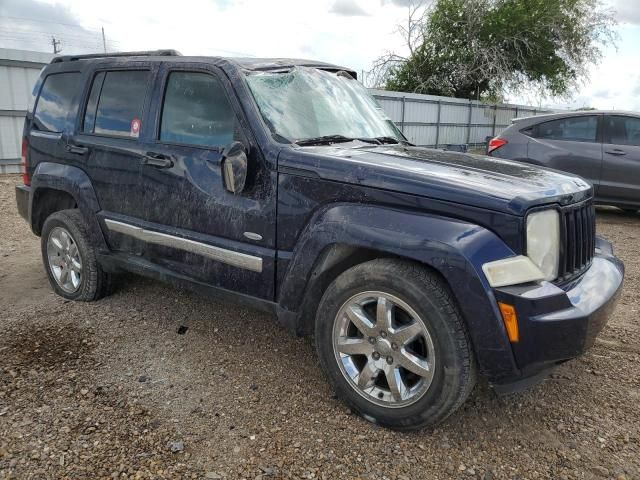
pixel 433 121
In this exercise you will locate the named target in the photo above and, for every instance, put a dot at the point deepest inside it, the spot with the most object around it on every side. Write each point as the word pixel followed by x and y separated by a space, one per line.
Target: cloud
pixel 401 3
pixel 626 11
pixel 348 8
pixel 32 9
pixel 613 85
pixel 31 24
pixel 603 93
pixel 323 30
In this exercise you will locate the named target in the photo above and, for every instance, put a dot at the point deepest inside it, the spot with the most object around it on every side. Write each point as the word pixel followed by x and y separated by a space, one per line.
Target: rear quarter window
pixel 55 111
pixel 575 129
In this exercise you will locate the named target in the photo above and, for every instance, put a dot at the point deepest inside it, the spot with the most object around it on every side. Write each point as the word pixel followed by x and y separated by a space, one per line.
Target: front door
pixel 620 182
pixel 192 225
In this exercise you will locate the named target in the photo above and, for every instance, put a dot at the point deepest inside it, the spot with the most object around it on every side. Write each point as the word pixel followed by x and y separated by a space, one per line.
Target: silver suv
pixel 601 146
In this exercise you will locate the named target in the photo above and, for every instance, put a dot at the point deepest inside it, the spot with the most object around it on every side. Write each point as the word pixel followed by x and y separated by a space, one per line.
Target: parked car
pixel 281 184
pixel 602 147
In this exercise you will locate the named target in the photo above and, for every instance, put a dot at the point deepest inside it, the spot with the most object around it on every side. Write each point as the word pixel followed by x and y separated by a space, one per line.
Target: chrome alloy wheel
pixel 384 349
pixel 64 259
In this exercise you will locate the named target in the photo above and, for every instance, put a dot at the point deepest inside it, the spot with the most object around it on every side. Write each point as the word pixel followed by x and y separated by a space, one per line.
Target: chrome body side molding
pixel 236 259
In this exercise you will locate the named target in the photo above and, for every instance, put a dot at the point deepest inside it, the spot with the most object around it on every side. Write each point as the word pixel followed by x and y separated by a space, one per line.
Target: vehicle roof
pixel 577 113
pixel 245 63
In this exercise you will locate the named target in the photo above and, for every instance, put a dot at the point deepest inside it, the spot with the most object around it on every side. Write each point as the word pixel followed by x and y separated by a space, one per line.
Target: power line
pixel 86 38
pixel 62 40
pixel 30 32
pixel 76 25
pixel 64 45
pixel 93 40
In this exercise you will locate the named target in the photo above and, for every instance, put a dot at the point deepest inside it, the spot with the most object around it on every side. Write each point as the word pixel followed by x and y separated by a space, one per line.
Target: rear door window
pixel 196 111
pixel 55 111
pixel 623 130
pixel 115 103
pixel 575 129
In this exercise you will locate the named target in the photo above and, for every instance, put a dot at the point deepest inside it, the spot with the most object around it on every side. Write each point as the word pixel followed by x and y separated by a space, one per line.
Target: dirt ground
pixel 109 389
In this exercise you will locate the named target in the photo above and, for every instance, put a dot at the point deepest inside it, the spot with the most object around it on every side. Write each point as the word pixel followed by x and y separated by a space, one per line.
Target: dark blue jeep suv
pixel 281 184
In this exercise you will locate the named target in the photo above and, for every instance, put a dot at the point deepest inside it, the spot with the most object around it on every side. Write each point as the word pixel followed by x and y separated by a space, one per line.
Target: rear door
pixel 570 144
pixel 621 166
pixel 193 225
pixel 109 141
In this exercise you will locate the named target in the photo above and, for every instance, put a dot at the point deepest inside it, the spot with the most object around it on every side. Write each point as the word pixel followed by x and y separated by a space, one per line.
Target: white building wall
pixel 19 70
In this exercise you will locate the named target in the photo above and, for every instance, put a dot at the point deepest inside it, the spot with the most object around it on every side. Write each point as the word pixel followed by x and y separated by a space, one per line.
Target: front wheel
pixel 393 344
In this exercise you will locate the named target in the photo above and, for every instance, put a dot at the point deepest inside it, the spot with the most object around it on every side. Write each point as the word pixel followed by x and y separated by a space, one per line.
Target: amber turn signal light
pixel 510 320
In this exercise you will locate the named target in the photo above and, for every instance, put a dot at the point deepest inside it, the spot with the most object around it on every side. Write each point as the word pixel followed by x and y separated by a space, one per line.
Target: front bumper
pixel 22 200
pixel 560 322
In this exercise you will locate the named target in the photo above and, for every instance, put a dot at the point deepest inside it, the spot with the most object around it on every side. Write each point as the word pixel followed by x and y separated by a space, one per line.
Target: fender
pixel 76 183
pixel 454 248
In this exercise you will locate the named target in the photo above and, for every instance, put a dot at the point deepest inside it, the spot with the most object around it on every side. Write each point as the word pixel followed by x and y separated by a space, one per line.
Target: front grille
pixel 577 239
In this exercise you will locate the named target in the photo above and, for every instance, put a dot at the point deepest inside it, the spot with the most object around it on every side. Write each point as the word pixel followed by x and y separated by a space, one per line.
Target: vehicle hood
pixel 478 180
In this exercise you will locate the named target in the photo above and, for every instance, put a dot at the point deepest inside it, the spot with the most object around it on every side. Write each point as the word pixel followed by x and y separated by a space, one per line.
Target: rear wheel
pixel 389 336
pixel 70 259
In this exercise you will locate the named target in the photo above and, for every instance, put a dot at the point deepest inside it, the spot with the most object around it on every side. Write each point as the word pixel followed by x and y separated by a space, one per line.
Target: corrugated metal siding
pixel 16 84
pixel 430 120
pixel 10 131
pixel 421 112
pixel 392 108
pixel 19 71
pixel 421 135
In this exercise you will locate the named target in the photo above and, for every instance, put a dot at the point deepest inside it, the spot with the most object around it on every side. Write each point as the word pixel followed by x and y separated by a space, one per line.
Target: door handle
pixel 76 149
pixel 157 160
pixel 615 151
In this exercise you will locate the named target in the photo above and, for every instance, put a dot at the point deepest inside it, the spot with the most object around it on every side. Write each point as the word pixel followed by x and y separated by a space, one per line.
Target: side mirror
pixel 234 167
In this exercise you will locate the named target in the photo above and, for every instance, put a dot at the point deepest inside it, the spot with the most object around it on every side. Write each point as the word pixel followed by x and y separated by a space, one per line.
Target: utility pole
pixel 104 41
pixel 56 45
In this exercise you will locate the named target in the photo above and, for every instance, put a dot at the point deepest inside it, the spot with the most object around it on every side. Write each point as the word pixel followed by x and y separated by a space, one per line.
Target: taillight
pixel 23 163
pixel 495 143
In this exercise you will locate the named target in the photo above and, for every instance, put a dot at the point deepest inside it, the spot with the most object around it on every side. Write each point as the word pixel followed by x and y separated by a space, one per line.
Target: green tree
pixel 484 48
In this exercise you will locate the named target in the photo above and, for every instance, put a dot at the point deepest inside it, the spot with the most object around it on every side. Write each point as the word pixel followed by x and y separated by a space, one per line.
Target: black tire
pixel 94 282
pixel 428 295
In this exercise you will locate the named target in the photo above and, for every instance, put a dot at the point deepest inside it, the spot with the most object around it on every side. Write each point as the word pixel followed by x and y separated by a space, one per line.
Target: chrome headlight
pixel 541 260
pixel 543 241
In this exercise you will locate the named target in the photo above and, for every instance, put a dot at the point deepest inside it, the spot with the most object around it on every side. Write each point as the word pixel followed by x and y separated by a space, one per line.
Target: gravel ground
pixel 155 382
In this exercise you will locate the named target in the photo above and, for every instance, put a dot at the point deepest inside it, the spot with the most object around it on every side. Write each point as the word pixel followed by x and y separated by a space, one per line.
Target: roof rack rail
pixel 144 53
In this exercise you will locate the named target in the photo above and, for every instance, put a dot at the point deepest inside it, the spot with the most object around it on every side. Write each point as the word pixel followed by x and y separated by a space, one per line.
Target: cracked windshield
pixel 307 103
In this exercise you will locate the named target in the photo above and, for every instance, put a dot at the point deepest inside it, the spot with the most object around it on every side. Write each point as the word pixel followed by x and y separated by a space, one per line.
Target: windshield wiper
pixel 324 140
pixel 387 140
pixel 329 139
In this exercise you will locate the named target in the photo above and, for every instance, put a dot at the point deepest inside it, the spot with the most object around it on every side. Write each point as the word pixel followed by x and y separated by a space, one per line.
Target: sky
pixel 352 33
